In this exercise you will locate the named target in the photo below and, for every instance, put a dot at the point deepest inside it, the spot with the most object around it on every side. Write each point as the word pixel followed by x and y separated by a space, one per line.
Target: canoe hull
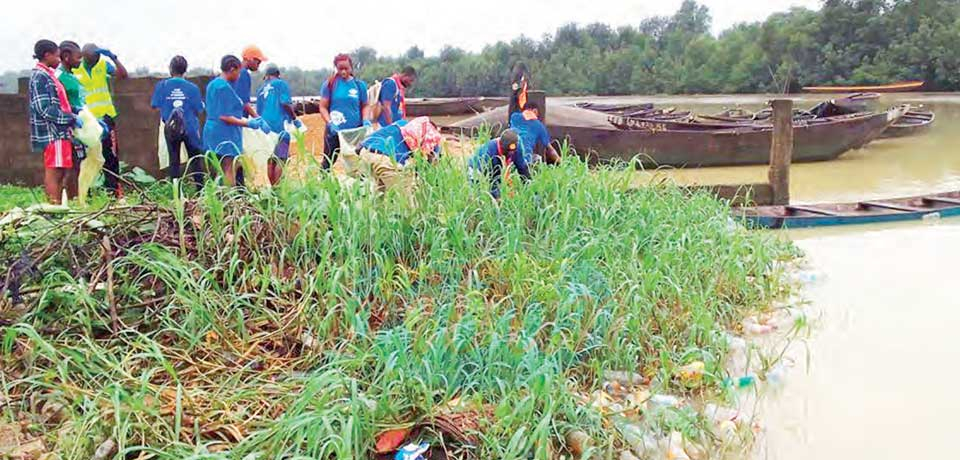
pixel 912 124
pixel 453 106
pixel 668 143
pixel 891 88
pixel 723 147
pixel 869 212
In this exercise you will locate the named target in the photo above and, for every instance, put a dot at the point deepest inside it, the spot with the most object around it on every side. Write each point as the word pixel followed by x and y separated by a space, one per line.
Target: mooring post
pixel 781 150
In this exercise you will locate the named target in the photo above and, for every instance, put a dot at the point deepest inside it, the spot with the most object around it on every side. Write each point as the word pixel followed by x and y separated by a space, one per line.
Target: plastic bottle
pixel 932 217
pixel 665 401
pixel 740 383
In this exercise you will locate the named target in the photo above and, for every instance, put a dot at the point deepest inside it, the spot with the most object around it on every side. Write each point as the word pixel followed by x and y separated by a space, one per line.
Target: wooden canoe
pixel 891 88
pixel 863 212
pixel 428 107
pixel 661 143
pixel 914 122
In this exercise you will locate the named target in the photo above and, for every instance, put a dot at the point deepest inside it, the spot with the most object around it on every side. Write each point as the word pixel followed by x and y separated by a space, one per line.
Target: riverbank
pixel 310 320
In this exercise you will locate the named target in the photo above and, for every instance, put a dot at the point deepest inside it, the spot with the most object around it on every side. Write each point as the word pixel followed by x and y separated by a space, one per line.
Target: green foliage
pixel 845 42
pixel 302 322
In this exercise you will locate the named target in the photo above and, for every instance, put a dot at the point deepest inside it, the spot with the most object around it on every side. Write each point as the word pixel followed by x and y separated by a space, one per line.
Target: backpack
pixel 176 125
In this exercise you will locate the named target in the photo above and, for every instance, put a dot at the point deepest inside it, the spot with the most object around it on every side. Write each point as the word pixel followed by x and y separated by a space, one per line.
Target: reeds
pixel 302 322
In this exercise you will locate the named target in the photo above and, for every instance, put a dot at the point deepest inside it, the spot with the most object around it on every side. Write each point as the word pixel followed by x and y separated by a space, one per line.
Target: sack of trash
pixel 258 148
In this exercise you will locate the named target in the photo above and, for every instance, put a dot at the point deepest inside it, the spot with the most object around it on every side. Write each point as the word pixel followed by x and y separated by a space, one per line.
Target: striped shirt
pixel 48 122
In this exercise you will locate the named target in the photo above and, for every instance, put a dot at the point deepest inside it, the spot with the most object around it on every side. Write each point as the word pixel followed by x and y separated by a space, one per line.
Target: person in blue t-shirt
pixel 495 156
pixel 275 106
pixel 243 86
pixel 534 137
pixel 343 105
pixel 393 96
pixel 221 134
pixel 180 105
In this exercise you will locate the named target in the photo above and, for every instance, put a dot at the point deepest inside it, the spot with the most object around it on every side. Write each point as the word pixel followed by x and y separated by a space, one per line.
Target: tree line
pixel 846 42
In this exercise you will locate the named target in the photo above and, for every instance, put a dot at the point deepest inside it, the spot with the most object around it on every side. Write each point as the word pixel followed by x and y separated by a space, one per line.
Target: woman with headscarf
pixel 343 105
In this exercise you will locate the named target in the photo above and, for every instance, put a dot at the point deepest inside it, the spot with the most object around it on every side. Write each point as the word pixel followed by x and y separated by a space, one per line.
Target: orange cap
pixel 253 52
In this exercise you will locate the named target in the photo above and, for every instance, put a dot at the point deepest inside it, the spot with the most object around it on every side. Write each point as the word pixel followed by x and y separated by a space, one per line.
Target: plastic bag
pixel 348 161
pixel 90 135
pixel 164 155
pixel 89 170
pixel 258 148
pixel 91 132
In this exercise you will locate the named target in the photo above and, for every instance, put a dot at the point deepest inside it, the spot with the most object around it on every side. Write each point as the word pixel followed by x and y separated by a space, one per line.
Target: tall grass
pixel 303 322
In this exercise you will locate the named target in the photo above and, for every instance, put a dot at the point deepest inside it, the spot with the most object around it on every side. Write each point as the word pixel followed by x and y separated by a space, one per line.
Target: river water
pixel 875 379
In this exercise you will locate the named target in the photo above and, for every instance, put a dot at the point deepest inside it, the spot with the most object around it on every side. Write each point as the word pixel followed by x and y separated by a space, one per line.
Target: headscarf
pixel 421 134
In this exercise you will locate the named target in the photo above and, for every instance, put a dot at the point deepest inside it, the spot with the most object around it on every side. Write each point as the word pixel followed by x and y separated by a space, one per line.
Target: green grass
pixel 301 323
pixel 14 196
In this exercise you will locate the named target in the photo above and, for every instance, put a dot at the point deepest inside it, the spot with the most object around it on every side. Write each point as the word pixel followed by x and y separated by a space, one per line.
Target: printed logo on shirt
pixel 353 93
pixel 265 91
pixel 176 95
pixel 337 118
pixel 177 104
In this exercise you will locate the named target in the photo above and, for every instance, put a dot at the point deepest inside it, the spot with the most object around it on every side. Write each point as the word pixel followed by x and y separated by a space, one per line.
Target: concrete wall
pixel 136 125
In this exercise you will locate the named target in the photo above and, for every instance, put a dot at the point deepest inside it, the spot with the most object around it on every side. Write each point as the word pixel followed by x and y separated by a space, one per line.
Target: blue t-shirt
pixel 389 141
pixel 243 86
pixel 177 92
pixel 533 134
pixel 345 105
pixel 390 92
pixel 485 154
pixel 219 137
pixel 270 100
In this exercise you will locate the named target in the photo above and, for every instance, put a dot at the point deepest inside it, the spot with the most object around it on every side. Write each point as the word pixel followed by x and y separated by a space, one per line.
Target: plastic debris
pixel 106 450
pixel 691 374
pixel 720 414
pixel 665 401
pixel 623 378
pixel 932 217
pixel 740 383
pixel 674 450
pixel 753 326
pixel 578 442
pixel 627 455
pixel 412 451
pixel 777 375
pixel 642 444
pixel 727 431
pixel 389 441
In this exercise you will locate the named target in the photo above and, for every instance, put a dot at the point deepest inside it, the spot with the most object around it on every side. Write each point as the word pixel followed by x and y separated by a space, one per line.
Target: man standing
pixel 252 58
pixel 393 100
pixel 51 120
pixel 180 105
pixel 95 75
pixel 276 107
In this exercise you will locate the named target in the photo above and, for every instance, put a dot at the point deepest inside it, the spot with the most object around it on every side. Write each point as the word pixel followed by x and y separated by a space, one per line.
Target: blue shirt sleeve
pixel 362 87
pixel 325 90
pixel 111 69
pixel 521 164
pixel 196 99
pixel 515 119
pixel 543 137
pixel 284 93
pixel 388 91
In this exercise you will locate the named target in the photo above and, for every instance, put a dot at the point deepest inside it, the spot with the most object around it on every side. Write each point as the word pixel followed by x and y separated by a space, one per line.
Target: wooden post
pixel 781 151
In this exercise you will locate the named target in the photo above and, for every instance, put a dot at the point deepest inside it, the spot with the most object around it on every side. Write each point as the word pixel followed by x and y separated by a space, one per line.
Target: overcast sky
pixel 309 33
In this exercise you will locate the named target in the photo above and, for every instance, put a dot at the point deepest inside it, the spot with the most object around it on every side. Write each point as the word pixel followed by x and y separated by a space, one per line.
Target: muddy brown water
pixel 875 380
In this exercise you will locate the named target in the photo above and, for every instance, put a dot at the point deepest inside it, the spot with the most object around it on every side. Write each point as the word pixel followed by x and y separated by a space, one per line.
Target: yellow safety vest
pixel 96 85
